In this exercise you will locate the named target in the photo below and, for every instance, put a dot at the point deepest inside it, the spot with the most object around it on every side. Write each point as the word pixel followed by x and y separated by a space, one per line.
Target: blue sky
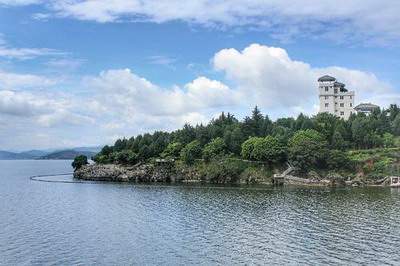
pixel 76 73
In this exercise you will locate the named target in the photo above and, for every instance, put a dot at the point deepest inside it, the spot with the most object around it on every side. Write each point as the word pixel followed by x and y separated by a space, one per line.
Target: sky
pixel 84 73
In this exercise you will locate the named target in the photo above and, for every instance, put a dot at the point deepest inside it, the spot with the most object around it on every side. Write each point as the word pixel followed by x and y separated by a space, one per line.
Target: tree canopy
pixel 79 161
pixel 303 140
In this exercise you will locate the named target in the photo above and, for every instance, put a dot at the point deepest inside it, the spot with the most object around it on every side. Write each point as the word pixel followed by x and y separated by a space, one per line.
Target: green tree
pixel 388 140
pixel 133 157
pixel 213 149
pixel 120 144
pixel 268 149
pixel 144 153
pixel 338 160
pixel 234 139
pixel 191 152
pixel 325 124
pixel 396 125
pixel 248 147
pixel 79 161
pixel 307 149
pixel 338 141
pixel 106 150
pixel 101 159
pixel 360 128
pixel 173 150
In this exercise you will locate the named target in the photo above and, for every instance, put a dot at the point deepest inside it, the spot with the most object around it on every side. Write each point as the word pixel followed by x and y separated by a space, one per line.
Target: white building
pixel 334 98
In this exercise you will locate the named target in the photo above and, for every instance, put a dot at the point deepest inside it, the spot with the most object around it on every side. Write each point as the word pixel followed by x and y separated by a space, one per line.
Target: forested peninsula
pixel 361 150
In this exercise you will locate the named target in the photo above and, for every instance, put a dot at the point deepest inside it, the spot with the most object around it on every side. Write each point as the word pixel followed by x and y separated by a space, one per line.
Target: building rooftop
pixel 326 78
pixel 366 107
pixel 341 86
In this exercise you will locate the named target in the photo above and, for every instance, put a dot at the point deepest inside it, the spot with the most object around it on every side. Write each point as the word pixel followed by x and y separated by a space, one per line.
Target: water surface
pixel 125 224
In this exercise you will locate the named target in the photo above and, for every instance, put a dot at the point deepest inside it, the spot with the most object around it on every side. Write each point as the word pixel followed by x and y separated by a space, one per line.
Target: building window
pixel 351 105
pixel 335 91
pixel 326 97
pixel 326 104
pixel 341 97
pixel 351 97
pixel 341 113
pixel 341 104
pixel 326 89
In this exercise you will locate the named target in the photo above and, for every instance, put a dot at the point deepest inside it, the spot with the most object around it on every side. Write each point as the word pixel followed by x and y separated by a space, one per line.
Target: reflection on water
pixel 55 223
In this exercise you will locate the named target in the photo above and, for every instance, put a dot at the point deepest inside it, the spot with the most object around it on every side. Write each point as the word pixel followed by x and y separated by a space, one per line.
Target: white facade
pixel 334 98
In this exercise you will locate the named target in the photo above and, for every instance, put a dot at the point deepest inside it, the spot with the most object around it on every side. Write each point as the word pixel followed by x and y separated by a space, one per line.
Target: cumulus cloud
pixel 267 76
pixel 21 104
pixel 124 89
pixel 369 20
pixel 44 110
pixel 125 103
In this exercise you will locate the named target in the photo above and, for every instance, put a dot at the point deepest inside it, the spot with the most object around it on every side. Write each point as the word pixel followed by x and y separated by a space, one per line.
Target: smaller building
pixel 366 108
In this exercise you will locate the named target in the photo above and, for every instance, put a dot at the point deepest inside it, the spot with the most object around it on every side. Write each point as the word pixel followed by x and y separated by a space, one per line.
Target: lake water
pixel 125 224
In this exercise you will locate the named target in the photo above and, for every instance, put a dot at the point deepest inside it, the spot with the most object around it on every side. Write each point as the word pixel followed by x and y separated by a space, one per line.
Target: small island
pixel 320 150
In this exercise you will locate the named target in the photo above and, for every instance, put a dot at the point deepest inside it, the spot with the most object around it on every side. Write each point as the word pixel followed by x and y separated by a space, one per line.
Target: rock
pixel 336 179
pixel 313 175
pixel 158 172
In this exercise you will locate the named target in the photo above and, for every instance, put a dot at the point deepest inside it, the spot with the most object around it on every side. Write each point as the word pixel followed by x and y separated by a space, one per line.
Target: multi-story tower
pixel 334 98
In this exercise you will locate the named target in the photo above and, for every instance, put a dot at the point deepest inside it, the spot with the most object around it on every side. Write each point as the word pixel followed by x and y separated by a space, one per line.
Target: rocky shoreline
pixel 170 173
pixel 118 173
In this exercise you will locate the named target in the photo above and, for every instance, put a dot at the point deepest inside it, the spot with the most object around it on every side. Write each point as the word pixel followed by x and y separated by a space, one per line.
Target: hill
pixel 66 155
pixel 7 155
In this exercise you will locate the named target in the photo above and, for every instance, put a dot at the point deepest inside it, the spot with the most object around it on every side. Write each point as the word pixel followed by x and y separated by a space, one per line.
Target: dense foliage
pixel 79 161
pixel 321 141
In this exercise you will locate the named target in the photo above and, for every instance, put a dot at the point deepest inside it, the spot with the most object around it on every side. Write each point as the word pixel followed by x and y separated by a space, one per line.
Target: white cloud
pixel 133 94
pixel 126 104
pixel 19 2
pixel 65 117
pixel 205 93
pixel 44 110
pixel 21 104
pixel 65 64
pixel 161 60
pixel 24 53
pixel 14 80
pixel 369 20
pixel 267 76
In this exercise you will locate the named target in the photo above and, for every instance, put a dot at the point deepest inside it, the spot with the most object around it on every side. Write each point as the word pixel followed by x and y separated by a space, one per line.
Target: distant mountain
pixel 66 155
pixel 7 155
pixel 34 153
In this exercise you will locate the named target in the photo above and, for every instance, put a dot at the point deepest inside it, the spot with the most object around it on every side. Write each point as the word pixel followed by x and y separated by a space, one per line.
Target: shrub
pixel 223 171
pixel 307 149
pixel 79 161
pixel 248 147
pixel 191 152
pixel 388 140
pixel 172 150
pixel 213 149
pixel 268 149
